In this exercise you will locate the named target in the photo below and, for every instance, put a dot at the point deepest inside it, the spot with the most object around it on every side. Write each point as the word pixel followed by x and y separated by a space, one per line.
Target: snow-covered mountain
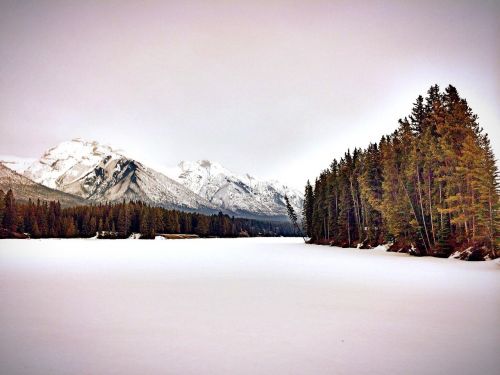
pixel 241 194
pixel 102 174
pixel 99 173
pixel 16 163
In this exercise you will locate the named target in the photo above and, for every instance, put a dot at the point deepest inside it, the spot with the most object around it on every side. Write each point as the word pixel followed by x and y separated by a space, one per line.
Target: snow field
pixel 242 306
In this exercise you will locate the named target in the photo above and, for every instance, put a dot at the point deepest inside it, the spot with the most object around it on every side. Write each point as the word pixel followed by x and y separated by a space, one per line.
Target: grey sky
pixel 276 89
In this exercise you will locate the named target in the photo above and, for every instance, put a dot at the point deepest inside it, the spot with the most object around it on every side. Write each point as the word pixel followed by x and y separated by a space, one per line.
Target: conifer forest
pixel 429 188
pixel 43 219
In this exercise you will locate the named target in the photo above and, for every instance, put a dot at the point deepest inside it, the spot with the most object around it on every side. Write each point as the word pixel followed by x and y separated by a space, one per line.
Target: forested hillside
pixel 49 220
pixel 26 188
pixel 431 187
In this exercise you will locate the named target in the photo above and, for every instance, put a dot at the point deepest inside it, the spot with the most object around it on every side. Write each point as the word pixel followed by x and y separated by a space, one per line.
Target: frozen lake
pixel 242 306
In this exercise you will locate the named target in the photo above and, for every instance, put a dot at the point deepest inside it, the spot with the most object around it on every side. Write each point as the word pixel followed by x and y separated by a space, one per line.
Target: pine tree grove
pixel 48 220
pixel 430 188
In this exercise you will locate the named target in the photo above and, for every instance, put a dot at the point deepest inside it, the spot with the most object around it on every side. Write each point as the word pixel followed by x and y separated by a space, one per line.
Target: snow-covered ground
pixel 242 306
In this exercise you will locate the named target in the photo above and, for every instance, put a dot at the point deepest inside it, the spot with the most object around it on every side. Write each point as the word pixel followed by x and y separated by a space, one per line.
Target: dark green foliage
pixel 2 206
pixel 9 220
pixel 307 211
pixel 42 220
pixel 292 215
pixel 444 247
pixel 432 185
pixel 291 212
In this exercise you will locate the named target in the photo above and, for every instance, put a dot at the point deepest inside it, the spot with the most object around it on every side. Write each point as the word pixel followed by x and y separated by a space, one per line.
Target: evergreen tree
pixel 292 215
pixel 2 207
pixel 431 185
pixel 9 220
pixel 122 222
pixel 307 211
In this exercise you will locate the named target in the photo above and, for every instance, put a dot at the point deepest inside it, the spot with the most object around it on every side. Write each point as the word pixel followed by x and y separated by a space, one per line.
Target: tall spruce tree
pixel 307 211
pixel 292 215
pixel 9 220
pixel 431 185
pixel 2 207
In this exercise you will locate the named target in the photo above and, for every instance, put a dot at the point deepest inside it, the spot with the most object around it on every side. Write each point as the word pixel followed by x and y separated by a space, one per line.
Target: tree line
pixel 50 220
pixel 430 187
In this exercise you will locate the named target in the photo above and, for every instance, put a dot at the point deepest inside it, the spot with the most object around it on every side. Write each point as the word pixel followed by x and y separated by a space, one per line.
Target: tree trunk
pixel 414 212
pixel 348 228
pixel 356 209
pixel 430 210
pixel 422 207
pixel 441 204
pixel 491 226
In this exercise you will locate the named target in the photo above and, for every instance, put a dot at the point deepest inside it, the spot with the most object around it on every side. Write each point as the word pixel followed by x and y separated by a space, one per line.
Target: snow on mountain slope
pixel 67 162
pixel 16 163
pixel 99 173
pixel 239 194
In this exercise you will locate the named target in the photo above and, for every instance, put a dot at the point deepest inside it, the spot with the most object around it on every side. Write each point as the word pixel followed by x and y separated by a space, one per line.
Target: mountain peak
pixel 98 172
pixel 77 156
pixel 241 194
pixel 81 140
pixel 205 163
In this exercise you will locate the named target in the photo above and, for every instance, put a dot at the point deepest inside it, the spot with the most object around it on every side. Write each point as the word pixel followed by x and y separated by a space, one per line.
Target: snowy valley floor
pixel 242 306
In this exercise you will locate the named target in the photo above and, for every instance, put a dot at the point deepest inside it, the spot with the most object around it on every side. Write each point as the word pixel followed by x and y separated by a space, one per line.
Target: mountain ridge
pixel 238 193
pixel 24 189
pixel 99 173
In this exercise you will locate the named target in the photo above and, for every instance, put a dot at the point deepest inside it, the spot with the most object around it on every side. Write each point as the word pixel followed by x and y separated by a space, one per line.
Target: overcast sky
pixel 276 89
